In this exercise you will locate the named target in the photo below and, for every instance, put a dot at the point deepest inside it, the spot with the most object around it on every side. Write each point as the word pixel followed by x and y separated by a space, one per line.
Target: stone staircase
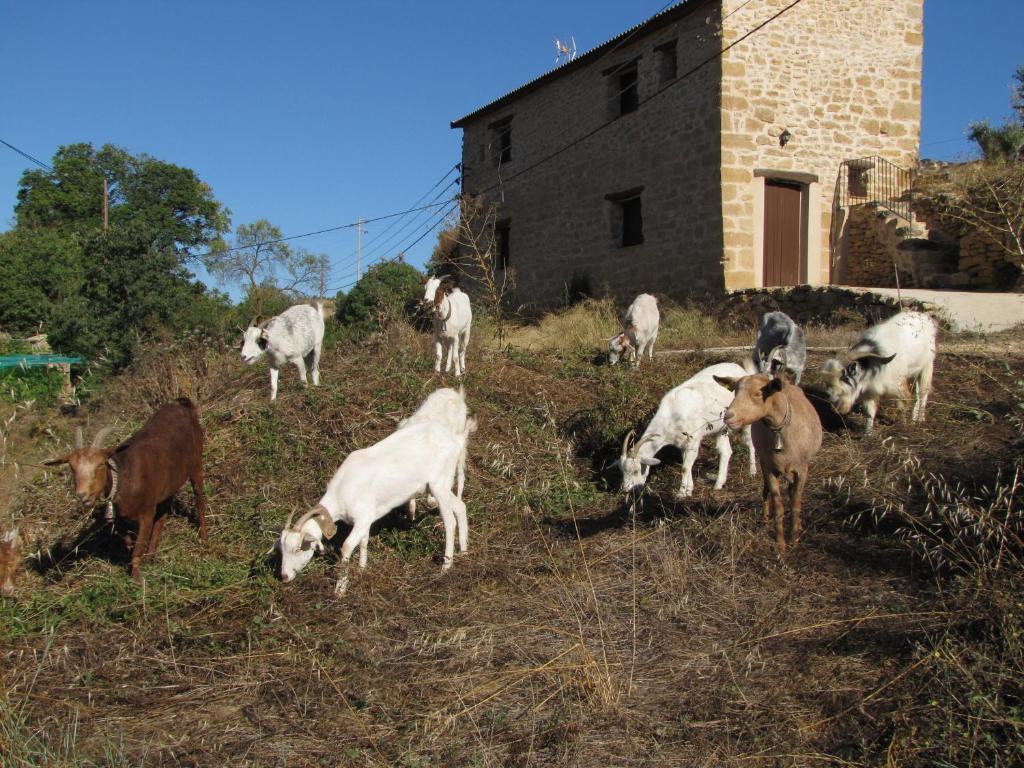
pixel 923 259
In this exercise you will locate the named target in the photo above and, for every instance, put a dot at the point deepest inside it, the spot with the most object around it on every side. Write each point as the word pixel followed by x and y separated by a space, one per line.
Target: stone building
pixel 698 151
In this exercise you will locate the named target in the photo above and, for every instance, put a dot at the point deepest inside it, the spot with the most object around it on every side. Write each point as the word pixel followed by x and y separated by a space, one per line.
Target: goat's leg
pixel 313 361
pixel 463 346
pixel 796 500
pixel 870 409
pixel 751 453
pixel 779 512
pixel 300 366
pixel 766 496
pixel 689 457
pixel 724 448
pixel 142 542
pixel 354 538
pixel 446 505
pixel 454 355
pixel 363 543
pixel 200 494
pixel 462 523
pixel 412 509
pixel 438 352
pixel 154 537
pixel 922 385
pixel 274 372
pixel 447 354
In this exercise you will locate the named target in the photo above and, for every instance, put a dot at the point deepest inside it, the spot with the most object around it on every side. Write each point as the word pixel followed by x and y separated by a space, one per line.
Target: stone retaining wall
pixel 825 305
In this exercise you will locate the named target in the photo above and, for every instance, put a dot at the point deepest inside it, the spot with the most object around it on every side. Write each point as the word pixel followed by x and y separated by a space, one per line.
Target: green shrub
pixel 387 292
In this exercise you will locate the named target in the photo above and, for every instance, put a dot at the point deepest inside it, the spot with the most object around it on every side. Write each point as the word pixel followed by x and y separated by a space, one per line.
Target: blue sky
pixel 316 112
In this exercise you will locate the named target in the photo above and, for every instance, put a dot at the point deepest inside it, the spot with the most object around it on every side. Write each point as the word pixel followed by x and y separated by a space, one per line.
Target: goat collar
pixel 115 476
pixel 778 429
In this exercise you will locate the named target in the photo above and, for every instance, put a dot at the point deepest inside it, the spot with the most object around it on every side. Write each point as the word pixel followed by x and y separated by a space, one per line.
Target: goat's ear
pixel 879 360
pixel 58 460
pixel 651 462
pixel 729 382
pixel 773 386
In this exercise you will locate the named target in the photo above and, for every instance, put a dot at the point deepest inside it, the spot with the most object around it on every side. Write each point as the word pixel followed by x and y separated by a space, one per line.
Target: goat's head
pixel 621 346
pixel 299 541
pixel 10 557
pixel 634 468
pixel 434 293
pixel 254 340
pixel 750 397
pixel 88 466
pixel 771 363
pixel 846 382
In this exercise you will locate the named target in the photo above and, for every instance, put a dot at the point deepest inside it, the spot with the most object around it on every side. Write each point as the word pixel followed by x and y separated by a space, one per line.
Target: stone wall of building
pixel 843 78
pixel 562 227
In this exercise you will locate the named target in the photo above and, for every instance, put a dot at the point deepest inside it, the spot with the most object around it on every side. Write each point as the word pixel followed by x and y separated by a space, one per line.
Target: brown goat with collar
pixel 786 432
pixel 139 477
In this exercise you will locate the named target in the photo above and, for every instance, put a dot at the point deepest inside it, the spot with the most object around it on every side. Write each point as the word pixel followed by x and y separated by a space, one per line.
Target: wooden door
pixel 783 232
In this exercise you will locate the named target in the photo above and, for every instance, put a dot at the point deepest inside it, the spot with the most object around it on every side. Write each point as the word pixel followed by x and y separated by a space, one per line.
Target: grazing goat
pixel 373 481
pixel 446 407
pixel 10 558
pixel 887 358
pixel 787 436
pixel 640 331
pixel 686 415
pixel 139 477
pixel 295 336
pixel 780 346
pixel 452 315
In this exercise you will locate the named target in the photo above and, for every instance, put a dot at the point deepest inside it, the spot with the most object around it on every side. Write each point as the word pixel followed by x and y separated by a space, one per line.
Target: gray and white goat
pixel 780 345
pixel 295 336
pixel 452 315
pixel 639 331
pixel 370 483
pixel 447 407
pixel 887 358
pixel 686 415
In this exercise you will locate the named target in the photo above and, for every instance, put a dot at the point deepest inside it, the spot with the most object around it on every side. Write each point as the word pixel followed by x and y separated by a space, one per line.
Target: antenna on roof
pixel 565 51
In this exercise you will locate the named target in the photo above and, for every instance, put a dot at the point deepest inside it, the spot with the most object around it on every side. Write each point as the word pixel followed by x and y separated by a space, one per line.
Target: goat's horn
pixel 625 442
pixel 316 511
pixel 448 316
pixel 288 524
pixel 97 442
pixel 78 438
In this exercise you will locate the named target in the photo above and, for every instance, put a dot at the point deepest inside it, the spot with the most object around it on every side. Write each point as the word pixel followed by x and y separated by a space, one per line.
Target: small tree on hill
pixel 388 291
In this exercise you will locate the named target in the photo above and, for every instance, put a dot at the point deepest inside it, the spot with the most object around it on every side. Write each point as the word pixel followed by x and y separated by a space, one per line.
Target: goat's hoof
pixel 683 495
pixel 446 565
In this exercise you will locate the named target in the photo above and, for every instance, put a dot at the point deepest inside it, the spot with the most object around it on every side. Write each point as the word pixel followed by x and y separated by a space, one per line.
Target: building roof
pixel 658 20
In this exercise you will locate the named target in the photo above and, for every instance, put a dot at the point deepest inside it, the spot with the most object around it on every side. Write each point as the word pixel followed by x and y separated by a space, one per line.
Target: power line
pixel 25 154
pixel 321 231
pixel 344 286
pixel 690 72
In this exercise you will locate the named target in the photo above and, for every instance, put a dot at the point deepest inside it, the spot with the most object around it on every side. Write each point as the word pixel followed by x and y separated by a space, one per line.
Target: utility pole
pixel 106 205
pixel 359 246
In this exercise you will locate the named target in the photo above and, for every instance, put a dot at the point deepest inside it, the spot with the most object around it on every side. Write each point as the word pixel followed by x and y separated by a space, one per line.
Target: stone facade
pixel 562 165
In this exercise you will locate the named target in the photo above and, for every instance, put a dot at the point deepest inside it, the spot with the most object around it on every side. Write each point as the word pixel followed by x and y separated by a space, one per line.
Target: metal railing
pixel 876 180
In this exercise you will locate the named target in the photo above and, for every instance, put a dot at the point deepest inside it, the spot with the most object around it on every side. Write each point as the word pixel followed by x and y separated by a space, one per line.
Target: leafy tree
pixel 998 144
pixel 387 291
pixel 260 260
pixel 37 270
pixel 165 203
pixel 1017 93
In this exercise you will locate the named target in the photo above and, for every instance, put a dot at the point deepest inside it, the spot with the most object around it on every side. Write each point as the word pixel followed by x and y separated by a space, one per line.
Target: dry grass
pixel 577 631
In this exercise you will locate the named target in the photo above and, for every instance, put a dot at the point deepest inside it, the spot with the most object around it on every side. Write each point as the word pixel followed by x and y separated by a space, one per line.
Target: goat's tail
pixel 320 309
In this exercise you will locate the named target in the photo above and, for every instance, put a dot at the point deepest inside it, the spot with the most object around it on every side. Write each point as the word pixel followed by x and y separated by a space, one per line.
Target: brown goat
pixel 139 477
pixel 786 433
pixel 10 558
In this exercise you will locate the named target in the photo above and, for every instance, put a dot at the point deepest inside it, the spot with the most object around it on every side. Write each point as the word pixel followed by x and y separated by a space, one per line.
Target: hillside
pixel 577 631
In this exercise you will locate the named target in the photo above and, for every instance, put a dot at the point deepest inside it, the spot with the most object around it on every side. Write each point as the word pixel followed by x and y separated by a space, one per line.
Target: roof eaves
pixel 655 21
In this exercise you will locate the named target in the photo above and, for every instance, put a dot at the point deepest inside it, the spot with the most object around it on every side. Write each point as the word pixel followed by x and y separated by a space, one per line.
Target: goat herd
pixel 426 454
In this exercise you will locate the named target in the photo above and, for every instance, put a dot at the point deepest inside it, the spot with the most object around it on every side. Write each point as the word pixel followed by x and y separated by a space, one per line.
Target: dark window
pixel 502 236
pixel 632 222
pixel 501 141
pixel 626 217
pixel 629 96
pixel 667 62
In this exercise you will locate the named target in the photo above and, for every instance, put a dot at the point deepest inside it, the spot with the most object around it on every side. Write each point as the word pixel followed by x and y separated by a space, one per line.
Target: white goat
pixel 640 331
pixel 294 336
pixel 780 345
pixel 452 316
pixel 887 358
pixel 686 414
pixel 369 484
pixel 446 407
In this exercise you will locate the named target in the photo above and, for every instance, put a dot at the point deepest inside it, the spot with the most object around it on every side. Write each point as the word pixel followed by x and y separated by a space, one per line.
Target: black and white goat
pixel 886 359
pixel 295 336
pixel 780 346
